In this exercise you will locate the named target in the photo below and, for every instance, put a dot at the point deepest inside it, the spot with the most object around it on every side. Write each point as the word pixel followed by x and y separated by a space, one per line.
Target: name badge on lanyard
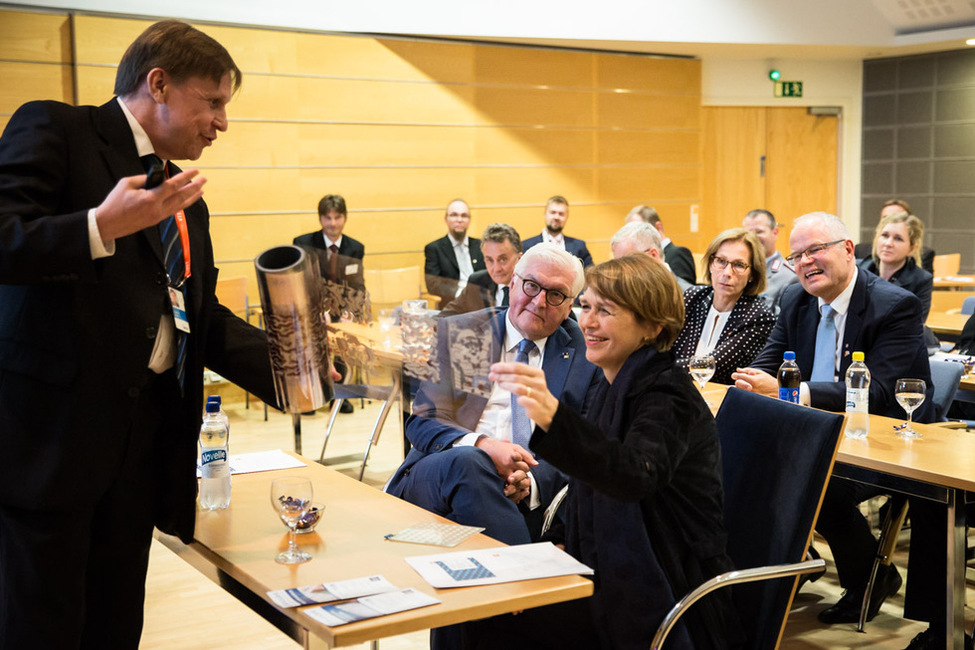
pixel 176 296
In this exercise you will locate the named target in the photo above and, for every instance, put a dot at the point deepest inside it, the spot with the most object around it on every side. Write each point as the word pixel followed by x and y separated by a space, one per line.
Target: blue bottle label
pixel 789 394
pixel 212 455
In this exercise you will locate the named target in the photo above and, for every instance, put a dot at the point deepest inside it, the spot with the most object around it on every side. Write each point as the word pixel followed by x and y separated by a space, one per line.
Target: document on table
pixel 259 461
pixel 435 534
pixel 490 566
pixel 327 592
pixel 370 607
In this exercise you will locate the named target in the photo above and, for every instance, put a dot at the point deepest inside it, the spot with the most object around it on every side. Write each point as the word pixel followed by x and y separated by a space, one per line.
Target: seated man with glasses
pixel 727 318
pixel 470 461
pixel 835 310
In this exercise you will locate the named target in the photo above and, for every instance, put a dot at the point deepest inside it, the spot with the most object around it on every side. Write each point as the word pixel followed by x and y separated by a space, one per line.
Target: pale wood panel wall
pixel 35 59
pixel 401 127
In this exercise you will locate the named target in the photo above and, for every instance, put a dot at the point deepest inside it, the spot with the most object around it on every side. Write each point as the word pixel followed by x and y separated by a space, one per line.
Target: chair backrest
pixel 232 294
pixel 948 264
pixel 388 288
pixel 776 459
pixel 968 305
pixel 945 375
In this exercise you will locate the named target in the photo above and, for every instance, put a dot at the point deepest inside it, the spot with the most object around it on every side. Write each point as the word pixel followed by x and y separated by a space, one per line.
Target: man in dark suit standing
pixel 452 259
pixel 341 262
pixel 468 462
pixel 851 309
pixel 501 248
pixel 106 322
pixel 556 216
pixel 679 259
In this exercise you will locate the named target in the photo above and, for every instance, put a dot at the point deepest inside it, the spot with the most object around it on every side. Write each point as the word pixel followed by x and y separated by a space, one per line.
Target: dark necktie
pixel 521 430
pixel 333 263
pixel 504 301
pixel 176 268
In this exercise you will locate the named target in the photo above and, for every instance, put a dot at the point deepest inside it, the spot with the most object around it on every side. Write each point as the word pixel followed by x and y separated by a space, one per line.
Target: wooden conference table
pixel 955 282
pixel 946 324
pixel 939 466
pixel 235 548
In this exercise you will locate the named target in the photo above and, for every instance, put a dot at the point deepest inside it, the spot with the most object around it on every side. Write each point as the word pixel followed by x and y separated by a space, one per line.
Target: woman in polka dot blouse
pixel 727 319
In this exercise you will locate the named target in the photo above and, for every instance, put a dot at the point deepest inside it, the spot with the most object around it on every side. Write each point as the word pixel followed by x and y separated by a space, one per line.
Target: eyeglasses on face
pixel 737 266
pixel 532 289
pixel 811 252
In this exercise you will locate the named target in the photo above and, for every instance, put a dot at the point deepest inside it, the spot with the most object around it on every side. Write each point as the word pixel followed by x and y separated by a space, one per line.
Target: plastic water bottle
pixel 222 413
pixel 857 398
pixel 789 378
pixel 214 461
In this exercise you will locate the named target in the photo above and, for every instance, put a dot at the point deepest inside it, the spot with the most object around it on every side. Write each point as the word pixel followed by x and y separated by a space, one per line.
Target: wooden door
pixel 780 159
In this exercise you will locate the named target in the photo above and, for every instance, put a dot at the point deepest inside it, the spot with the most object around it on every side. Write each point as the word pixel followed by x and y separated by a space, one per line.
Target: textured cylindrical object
pixel 294 318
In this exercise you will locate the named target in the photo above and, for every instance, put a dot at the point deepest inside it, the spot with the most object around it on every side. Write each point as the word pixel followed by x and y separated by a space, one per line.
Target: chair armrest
pixel 727 579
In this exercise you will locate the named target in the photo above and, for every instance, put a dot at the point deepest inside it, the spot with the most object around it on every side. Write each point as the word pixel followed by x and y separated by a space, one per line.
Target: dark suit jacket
pixel 440 266
pixel 884 322
pixel 76 334
pixel 864 250
pixel 644 506
pixel 477 295
pixel 575 246
pixel 681 262
pixel 743 337
pixel 442 415
pixel 350 254
pixel 910 277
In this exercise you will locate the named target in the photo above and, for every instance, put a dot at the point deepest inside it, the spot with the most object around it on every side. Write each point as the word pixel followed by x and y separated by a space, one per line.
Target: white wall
pixel 745 82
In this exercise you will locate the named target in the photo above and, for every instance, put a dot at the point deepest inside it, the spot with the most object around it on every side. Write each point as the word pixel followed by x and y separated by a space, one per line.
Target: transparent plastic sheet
pixel 294 316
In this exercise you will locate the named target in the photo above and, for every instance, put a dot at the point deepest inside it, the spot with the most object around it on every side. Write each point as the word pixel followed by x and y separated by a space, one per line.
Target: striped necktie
pixel 175 267
pixel 521 429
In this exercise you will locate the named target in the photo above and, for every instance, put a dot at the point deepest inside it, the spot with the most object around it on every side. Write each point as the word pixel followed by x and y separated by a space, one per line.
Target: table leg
pixel 296 423
pixel 955 584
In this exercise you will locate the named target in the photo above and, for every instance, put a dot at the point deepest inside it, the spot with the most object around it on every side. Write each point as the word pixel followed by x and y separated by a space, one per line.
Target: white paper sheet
pixel 331 591
pixel 370 607
pixel 495 565
pixel 259 461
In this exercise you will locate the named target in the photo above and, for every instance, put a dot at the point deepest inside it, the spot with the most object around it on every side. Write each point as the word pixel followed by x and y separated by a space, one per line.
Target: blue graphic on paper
pixel 474 573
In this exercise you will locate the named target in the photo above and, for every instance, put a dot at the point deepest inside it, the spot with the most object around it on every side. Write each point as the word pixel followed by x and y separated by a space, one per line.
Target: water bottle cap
pixel 789 356
pixel 213 406
pixel 858 356
pixel 213 398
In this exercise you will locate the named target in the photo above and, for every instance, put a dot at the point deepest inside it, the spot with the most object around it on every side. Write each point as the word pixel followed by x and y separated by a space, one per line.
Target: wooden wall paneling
pixel 734 142
pixel 356 101
pixel 24 82
pixel 243 189
pixel 254 144
pixel 388 189
pixel 660 75
pixel 527 106
pixel 632 147
pixel 648 111
pixel 663 182
pixel 95 84
pixel 527 66
pixel 370 145
pixel 513 145
pixel 533 185
pixel 801 168
pixel 35 37
pixel 353 56
pixel 100 40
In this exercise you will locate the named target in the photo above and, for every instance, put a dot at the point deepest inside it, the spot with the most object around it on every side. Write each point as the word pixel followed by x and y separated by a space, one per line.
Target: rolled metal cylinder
pixel 294 318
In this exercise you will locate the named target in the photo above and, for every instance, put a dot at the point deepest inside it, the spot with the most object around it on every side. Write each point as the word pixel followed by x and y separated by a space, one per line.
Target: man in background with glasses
pixel 469 462
pixel 837 309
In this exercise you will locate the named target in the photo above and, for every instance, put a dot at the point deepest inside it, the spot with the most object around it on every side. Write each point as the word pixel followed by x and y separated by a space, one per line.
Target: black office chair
pixel 776 460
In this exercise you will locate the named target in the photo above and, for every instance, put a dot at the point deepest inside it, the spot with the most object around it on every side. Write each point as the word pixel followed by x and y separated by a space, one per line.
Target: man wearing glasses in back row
pixel 838 309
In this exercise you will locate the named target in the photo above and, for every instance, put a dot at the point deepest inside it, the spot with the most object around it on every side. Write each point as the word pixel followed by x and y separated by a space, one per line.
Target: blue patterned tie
pixel 521 428
pixel 175 267
pixel 824 363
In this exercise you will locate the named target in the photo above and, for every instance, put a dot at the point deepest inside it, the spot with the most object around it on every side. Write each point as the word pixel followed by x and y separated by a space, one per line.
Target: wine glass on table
pixel 701 367
pixel 291 498
pixel 386 320
pixel 910 395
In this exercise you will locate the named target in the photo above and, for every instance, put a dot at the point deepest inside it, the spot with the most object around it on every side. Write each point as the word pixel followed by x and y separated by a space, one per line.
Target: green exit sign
pixel 788 89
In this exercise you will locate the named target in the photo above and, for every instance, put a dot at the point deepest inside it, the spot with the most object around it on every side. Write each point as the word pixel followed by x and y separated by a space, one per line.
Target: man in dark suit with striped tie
pixel 501 250
pixel 106 322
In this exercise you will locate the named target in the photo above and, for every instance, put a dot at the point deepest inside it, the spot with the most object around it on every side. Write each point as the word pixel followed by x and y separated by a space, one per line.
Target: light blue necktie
pixel 521 428
pixel 824 364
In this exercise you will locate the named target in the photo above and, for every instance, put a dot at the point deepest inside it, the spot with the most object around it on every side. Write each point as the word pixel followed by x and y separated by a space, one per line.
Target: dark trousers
pixel 76 578
pixel 847 531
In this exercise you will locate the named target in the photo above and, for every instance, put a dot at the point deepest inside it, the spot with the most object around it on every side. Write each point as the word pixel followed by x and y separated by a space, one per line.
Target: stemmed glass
pixel 910 395
pixel 702 367
pixel 291 497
